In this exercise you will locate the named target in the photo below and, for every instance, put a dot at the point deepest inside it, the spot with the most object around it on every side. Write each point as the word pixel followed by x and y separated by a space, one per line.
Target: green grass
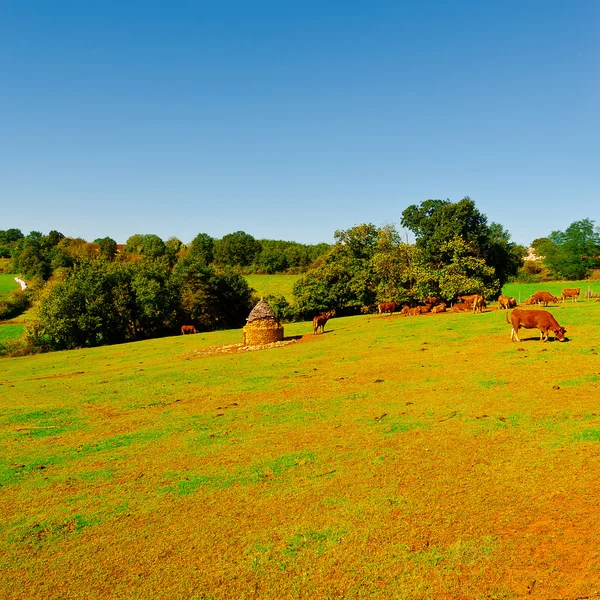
pixel 7 284
pixel 524 290
pixel 274 285
pixel 391 457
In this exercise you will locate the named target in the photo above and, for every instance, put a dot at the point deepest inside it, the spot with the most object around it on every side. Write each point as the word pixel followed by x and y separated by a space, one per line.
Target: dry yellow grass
pixel 392 457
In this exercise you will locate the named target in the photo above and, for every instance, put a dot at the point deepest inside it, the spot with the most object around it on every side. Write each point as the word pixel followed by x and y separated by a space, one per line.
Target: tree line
pixel 88 294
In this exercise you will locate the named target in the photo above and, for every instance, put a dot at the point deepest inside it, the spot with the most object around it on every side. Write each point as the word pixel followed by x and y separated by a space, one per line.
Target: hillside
pixel 390 457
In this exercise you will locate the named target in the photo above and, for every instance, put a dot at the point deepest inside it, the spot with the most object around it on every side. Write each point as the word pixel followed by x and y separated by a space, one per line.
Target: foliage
pixel 146 244
pixel 435 222
pixel 571 254
pixel 16 304
pixel 8 241
pixel 212 298
pixel 236 249
pixel 202 248
pixel 107 248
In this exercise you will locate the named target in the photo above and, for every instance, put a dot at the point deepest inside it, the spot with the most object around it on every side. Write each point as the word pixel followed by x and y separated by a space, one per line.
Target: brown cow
pixel 320 320
pixel 461 306
pixel 503 302
pixel 512 303
pixel 535 319
pixel 188 329
pixel 431 300
pixel 384 307
pixel 543 298
pixel 479 303
pixel 570 293
pixel 425 309
pixel 469 299
pixel 439 308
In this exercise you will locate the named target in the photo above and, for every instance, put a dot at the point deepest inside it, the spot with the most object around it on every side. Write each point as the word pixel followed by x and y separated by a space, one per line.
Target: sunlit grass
pixel 391 457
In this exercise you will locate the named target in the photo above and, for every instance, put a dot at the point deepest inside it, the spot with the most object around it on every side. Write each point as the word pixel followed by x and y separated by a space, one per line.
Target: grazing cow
pixel 543 298
pixel 320 320
pixel 479 303
pixel 385 307
pixel 570 293
pixel 439 308
pixel 535 319
pixel 188 329
pixel 503 302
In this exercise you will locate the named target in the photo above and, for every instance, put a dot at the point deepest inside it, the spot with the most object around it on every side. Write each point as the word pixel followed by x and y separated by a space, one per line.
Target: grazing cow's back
pixel 385 307
pixel 535 319
pixel 572 293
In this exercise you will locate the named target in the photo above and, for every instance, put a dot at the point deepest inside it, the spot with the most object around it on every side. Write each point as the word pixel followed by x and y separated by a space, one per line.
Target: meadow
pixel 7 284
pixel 274 285
pixel 391 457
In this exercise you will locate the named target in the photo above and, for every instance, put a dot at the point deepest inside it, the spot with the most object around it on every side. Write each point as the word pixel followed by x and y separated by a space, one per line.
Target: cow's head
pixel 560 334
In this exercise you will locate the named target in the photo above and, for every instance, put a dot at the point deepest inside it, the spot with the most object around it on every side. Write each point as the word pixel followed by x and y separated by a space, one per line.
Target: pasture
pixel 7 284
pixel 390 457
pixel 274 285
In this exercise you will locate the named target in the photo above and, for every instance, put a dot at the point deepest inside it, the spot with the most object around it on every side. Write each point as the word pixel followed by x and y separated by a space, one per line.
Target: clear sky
pixel 289 120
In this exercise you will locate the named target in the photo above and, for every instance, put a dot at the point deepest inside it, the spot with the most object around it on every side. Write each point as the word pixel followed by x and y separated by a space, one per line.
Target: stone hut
pixel 262 326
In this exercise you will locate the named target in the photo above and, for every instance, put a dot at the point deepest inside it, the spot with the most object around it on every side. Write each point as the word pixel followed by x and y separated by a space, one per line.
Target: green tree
pixel 237 249
pixel 107 248
pixel 202 249
pixel 8 241
pixel 571 254
pixel 436 222
pixel 212 298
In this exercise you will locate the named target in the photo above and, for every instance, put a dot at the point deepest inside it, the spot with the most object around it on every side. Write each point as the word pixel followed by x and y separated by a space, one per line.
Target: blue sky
pixel 289 120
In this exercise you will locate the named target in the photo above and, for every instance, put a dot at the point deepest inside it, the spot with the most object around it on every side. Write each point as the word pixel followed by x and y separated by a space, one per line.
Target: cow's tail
pixel 506 317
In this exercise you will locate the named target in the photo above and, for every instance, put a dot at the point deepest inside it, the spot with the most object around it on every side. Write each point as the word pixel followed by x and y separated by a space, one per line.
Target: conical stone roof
pixel 261 311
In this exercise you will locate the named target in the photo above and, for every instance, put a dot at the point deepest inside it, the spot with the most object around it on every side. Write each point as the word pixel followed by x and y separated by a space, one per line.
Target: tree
pixel 436 222
pixel 344 278
pixel 236 249
pixel 107 248
pixel 212 298
pixel 573 253
pixel 8 241
pixel 202 249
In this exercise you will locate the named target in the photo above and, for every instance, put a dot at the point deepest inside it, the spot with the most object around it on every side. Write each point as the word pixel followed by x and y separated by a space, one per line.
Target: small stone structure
pixel 262 327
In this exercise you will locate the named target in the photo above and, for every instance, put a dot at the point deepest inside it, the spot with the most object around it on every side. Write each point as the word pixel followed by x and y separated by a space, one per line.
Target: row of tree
pixel 38 255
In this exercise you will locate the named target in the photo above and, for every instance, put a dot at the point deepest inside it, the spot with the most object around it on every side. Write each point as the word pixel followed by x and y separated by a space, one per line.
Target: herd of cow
pixel 526 319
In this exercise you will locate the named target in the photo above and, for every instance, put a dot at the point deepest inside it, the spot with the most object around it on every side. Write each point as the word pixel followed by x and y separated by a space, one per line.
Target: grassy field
pixel 391 457
pixel 524 290
pixel 7 284
pixel 276 285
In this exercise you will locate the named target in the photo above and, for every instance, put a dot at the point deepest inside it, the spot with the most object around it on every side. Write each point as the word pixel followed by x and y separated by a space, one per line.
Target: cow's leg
pixel 514 335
